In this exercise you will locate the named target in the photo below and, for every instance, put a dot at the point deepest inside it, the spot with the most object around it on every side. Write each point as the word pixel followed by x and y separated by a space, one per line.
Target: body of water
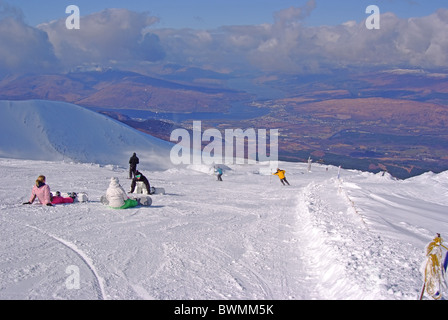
pixel 239 111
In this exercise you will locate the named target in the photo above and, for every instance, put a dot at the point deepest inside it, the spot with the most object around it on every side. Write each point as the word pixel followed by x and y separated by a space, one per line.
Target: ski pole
pixel 423 290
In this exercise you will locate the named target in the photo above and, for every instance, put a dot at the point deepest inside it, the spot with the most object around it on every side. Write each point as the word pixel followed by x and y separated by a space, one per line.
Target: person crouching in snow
pixel 41 191
pixel 117 197
pixel 140 177
pixel 281 175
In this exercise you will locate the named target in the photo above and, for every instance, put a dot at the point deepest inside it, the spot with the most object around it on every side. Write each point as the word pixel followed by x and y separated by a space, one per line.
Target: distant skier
pixel 140 177
pixel 133 162
pixel 281 175
pixel 117 197
pixel 41 191
pixel 309 164
pixel 218 171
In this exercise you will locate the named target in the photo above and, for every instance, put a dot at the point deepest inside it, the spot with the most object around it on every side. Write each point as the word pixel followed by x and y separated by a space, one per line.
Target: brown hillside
pixel 378 109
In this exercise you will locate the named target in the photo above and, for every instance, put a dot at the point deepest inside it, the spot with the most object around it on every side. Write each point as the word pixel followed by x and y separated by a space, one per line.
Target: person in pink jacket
pixel 41 191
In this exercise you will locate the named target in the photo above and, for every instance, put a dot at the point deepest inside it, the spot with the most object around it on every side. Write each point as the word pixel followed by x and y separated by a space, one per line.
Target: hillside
pixel 61 131
pixel 114 89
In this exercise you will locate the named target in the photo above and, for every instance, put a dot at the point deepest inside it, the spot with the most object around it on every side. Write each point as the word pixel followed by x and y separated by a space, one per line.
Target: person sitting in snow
pixel 140 177
pixel 281 175
pixel 117 197
pixel 41 191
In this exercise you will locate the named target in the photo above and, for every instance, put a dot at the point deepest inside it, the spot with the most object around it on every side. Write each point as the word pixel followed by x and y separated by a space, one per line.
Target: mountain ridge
pixel 119 89
pixel 63 131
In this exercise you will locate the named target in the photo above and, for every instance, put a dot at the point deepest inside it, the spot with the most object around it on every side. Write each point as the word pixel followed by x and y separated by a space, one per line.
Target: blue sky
pixel 210 14
pixel 260 35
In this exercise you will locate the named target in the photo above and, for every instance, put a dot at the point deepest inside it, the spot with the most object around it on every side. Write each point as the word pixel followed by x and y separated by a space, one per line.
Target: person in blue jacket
pixel 219 172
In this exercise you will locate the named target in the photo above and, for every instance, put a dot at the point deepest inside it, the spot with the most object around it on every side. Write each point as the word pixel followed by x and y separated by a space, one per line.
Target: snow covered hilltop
pixel 248 237
pixel 47 130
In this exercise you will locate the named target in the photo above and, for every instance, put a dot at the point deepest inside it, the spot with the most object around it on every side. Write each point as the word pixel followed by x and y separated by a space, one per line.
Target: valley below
pixel 394 120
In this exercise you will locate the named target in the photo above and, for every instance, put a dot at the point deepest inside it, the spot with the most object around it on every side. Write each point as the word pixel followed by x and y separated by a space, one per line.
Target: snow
pixel 247 238
pixel 47 130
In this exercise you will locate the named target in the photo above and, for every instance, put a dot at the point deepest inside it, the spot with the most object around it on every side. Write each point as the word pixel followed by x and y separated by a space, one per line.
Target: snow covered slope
pixel 360 236
pixel 46 130
pixel 248 237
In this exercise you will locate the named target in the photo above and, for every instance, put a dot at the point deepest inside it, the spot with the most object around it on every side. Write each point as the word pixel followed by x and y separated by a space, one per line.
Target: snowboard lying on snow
pixel 157 190
pixel 78 196
pixel 143 200
pixel 141 188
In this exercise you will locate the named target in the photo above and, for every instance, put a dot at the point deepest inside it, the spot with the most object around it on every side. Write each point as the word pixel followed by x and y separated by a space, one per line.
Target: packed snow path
pixel 247 237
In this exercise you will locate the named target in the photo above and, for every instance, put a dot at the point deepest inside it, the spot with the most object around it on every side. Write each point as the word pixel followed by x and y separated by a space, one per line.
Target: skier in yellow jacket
pixel 281 175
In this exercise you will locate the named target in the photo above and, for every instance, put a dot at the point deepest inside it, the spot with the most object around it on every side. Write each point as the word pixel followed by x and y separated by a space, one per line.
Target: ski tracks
pixel 345 258
pixel 339 251
pixel 84 257
pixel 233 252
pixel 99 283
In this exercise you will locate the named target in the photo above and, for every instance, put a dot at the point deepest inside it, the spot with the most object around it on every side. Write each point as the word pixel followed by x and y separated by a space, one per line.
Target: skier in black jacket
pixel 133 162
pixel 140 177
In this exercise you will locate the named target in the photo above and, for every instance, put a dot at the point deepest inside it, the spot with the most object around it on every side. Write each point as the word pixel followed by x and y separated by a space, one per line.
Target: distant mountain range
pixel 120 89
pixel 394 120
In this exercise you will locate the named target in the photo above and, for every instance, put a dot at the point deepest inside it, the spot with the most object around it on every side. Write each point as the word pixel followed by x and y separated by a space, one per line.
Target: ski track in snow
pixel 247 237
pixel 331 248
pixel 368 265
pixel 84 257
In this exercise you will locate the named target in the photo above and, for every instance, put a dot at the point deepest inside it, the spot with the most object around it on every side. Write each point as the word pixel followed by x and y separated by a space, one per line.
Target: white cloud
pixel 110 35
pixel 24 49
pixel 288 46
pixel 125 38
